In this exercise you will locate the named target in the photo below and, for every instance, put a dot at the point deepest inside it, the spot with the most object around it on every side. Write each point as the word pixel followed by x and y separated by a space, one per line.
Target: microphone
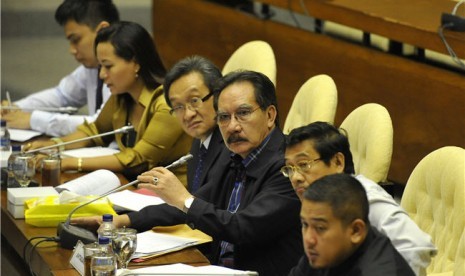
pixel 66 109
pixel 181 161
pixel 70 234
pixel 124 129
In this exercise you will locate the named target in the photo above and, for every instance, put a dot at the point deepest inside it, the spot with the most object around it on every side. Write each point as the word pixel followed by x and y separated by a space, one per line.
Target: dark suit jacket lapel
pixel 215 147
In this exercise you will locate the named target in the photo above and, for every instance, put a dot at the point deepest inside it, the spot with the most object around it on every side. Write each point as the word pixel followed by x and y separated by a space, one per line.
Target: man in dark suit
pixel 337 236
pixel 247 206
pixel 188 90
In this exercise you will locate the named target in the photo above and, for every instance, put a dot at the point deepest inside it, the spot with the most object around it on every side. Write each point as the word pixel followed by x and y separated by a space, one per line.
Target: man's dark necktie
pixel 198 170
pixel 98 93
pixel 227 249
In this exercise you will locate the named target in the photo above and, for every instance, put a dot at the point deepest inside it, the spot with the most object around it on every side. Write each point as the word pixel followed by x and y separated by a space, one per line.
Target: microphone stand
pixel 124 129
pixel 70 234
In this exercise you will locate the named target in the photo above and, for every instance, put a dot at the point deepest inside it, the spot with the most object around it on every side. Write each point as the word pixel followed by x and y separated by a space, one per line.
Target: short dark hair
pixel 88 12
pixel 344 193
pixel 133 43
pixel 264 90
pixel 209 72
pixel 327 141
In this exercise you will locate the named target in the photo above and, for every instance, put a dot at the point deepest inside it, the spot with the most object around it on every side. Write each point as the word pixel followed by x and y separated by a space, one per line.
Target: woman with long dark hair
pixel 134 72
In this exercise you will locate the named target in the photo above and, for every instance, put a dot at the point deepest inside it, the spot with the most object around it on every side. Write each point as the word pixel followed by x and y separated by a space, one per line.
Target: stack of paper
pixel 182 269
pixel 21 135
pixel 132 201
pixel 153 244
pixel 89 152
pixel 167 239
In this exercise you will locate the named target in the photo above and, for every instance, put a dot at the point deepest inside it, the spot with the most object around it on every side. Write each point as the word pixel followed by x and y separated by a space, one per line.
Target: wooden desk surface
pixel 50 259
pixel 413 22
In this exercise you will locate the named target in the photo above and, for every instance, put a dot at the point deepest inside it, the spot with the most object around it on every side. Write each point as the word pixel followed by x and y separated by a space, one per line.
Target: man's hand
pixel 94 222
pixel 167 187
pixel 6 103
pixel 91 223
pixel 18 119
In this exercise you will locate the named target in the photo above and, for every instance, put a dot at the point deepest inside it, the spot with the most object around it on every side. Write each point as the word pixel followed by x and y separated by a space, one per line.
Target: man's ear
pixel 102 24
pixel 339 162
pixel 358 231
pixel 271 112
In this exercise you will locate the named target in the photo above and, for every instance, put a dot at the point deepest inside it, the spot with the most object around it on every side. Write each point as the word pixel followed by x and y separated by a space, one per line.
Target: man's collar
pixel 206 142
pixel 256 152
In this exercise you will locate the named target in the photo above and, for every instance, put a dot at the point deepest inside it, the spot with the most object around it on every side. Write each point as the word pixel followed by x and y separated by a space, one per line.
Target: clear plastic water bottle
pixel 5 136
pixel 105 245
pixel 104 262
pixel 107 228
pixel 15 150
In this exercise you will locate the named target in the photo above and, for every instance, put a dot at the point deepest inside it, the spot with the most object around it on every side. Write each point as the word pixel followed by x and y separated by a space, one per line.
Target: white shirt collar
pixel 206 143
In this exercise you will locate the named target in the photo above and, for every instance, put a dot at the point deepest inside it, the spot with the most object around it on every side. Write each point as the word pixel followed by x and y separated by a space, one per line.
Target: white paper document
pixel 128 200
pixel 183 269
pixel 149 243
pixel 89 152
pixel 95 183
pixel 21 135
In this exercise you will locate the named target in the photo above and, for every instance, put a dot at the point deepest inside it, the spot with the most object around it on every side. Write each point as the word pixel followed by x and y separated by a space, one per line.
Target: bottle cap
pixel 16 147
pixel 107 217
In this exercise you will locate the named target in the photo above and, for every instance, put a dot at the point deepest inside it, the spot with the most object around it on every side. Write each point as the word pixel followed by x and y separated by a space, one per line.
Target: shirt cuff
pixel 40 120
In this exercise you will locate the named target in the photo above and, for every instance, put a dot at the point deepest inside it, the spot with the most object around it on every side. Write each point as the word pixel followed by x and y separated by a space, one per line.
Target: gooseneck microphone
pixel 181 161
pixel 124 129
pixel 70 234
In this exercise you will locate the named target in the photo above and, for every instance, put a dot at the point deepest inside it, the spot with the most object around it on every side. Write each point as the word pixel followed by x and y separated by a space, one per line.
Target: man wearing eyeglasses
pixel 320 149
pixel 188 90
pixel 247 206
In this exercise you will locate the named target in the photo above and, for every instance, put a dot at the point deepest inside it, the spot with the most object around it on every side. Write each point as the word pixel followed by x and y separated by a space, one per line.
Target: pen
pixel 8 98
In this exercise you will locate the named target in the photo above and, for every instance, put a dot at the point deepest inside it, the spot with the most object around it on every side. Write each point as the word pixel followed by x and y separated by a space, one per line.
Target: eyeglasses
pixel 194 104
pixel 242 115
pixel 301 167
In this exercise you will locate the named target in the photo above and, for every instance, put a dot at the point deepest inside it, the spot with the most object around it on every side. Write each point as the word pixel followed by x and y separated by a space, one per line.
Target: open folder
pixel 165 239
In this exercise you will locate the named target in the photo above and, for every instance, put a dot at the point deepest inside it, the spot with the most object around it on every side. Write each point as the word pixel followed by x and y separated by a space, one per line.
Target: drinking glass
pixel 24 168
pixel 51 170
pixel 124 245
pixel 90 250
pixel 103 264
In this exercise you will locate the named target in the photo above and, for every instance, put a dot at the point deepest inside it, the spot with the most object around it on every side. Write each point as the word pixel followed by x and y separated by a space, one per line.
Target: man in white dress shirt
pixel 81 20
pixel 320 149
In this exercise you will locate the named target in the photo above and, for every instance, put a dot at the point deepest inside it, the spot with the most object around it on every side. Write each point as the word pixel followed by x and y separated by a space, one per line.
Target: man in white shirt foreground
pixel 81 21
pixel 320 149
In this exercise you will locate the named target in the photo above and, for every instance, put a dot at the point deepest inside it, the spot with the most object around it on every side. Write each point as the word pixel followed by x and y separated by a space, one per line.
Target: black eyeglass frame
pixel 183 107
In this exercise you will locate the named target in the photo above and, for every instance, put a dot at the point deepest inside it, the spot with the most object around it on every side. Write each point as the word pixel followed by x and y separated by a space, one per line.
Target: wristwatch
pixel 187 204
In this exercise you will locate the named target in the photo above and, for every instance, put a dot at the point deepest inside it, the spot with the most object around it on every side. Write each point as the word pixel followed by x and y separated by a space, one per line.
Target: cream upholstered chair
pixel 434 197
pixel 254 55
pixel 316 100
pixel 370 133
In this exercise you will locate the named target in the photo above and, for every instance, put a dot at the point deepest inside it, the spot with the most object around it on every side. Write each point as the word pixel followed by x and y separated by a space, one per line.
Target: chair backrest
pixel 254 55
pixel 434 198
pixel 315 101
pixel 459 267
pixel 370 133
